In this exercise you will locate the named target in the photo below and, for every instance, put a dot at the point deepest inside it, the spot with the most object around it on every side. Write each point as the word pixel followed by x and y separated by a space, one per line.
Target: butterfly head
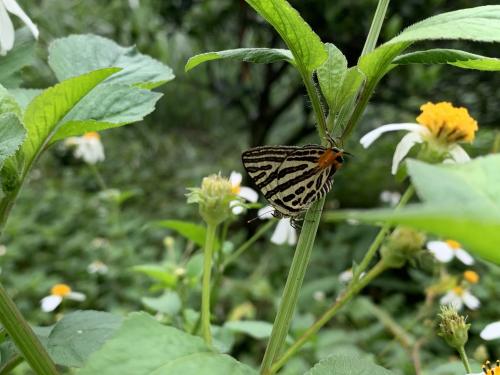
pixel 333 156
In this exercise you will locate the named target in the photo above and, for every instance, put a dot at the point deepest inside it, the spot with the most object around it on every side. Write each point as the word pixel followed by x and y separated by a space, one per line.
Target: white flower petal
pixel 265 213
pixel 235 178
pixel 470 300
pixel 292 235
pixel 404 146
pixel 76 296
pixel 441 250
pixel 346 276
pixel 6 31
pixel 458 154
pixel 236 207
pixel 14 8
pixel 249 194
pixel 451 298
pixel 280 235
pixel 464 257
pixel 491 331
pixel 373 135
pixel 50 303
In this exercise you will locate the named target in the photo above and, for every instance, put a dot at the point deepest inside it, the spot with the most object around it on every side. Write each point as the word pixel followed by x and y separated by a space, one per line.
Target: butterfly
pixel 292 178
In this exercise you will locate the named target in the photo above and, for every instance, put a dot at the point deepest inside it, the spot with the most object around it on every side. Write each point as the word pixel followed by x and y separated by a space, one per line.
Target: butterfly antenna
pixel 261 215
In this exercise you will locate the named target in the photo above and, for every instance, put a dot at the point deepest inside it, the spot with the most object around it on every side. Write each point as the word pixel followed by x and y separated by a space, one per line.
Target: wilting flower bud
pixel 402 245
pixel 453 328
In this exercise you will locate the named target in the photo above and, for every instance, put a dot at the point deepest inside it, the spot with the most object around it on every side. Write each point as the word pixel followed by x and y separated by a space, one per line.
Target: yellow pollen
pixel 458 290
pixel 92 135
pixel 489 370
pixel 471 276
pixel 60 290
pixel 453 244
pixel 236 189
pixel 449 123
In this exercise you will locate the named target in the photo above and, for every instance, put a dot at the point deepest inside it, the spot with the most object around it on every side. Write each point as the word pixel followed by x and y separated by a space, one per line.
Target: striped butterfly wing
pixel 262 164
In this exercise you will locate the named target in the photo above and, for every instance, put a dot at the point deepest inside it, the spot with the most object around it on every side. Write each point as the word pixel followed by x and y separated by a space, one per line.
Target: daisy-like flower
pixel 241 191
pixel 445 251
pixel 57 294
pixel 284 232
pixel 488 369
pixel 458 297
pixel 440 125
pixel 7 32
pixel 472 277
pixel 97 267
pixel 491 332
pixel 87 147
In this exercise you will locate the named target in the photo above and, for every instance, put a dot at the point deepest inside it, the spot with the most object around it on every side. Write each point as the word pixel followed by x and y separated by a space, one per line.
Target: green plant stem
pixel 293 285
pixel 98 176
pixel 205 293
pixel 316 104
pixel 378 20
pixel 11 364
pixel 465 360
pixel 329 314
pixel 372 250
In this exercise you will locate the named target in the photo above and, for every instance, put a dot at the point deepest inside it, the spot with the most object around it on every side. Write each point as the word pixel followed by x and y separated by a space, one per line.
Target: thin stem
pixel 293 285
pixel 11 364
pixel 465 360
pixel 378 20
pixel 372 250
pixel 316 104
pixel 329 314
pixel 98 176
pixel 23 336
pixel 205 293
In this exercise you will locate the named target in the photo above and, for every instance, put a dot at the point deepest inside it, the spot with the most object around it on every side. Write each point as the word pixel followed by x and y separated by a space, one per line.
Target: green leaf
pixel 12 134
pixel 159 273
pixel 254 328
pixel 78 54
pixel 461 202
pixel 169 303
pixel 108 106
pixel 45 114
pixel 79 334
pixel 21 55
pixel 143 346
pixel 331 75
pixel 481 24
pixel 24 96
pixel 254 55
pixel 376 64
pixel 191 231
pixel 453 57
pixel 306 46
pixel 347 365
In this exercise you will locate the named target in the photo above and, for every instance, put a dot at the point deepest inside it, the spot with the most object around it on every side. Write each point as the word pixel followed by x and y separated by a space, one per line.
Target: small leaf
pixel 78 54
pixel 159 273
pixel 453 57
pixel 143 346
pixel 24 96
pixel 254 328
pixel 331 75
pixel 12 134
pixel 79 334
pixel 191 231
pixel 21 55
pixel 305 44
pixel 254 55
pixel 346 365
pixel 169 303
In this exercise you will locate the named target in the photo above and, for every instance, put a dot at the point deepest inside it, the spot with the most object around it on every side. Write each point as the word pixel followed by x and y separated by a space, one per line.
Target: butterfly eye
pixel 339 159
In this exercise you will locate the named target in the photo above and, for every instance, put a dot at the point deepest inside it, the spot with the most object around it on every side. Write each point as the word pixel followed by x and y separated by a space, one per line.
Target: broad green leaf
pixel 453 57
pixel 21 55
pixel 46 112
pixel 108 106
pixel 12 134
pixel 481 24
pixel 78 54
pixel 79 334
pixel 377 63
pixel 331 75
pixel 168 303
pixel 192 231
pixel 254 55
pixel 347 365
pixel 143 346
pixel 460 202
pixel 253 328
pixel 24 96
pixel 305 44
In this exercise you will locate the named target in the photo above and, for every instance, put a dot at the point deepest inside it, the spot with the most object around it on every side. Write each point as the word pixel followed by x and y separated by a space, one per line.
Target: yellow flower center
pixel 447 122
pixel 471 276
pixel 458 290
pixel 92 135
pixel 488 370
pixel 236 189
pixel 60 290
pixel 453 244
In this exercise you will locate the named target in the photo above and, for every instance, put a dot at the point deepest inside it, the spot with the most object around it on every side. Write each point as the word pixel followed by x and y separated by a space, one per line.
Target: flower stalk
pixel 205 293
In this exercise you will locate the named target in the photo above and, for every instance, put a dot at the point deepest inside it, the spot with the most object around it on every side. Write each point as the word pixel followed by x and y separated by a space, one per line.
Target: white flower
pixel 347 275
pixel 242 191
pixel 445 251
pixel 7 33
pixel 491 331
pixel 87 147
pixel 390 197
pixel 97 267
pixel 284 232
pixel 57 294
pixel 458 297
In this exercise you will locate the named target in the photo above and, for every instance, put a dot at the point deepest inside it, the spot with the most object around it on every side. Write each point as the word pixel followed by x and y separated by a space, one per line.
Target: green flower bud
pixel 402 245
pixel 213 198
pixel 452 327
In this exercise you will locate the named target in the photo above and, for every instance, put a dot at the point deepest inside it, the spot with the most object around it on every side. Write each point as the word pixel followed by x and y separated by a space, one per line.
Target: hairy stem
pixel 465 360
pixel 205 293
